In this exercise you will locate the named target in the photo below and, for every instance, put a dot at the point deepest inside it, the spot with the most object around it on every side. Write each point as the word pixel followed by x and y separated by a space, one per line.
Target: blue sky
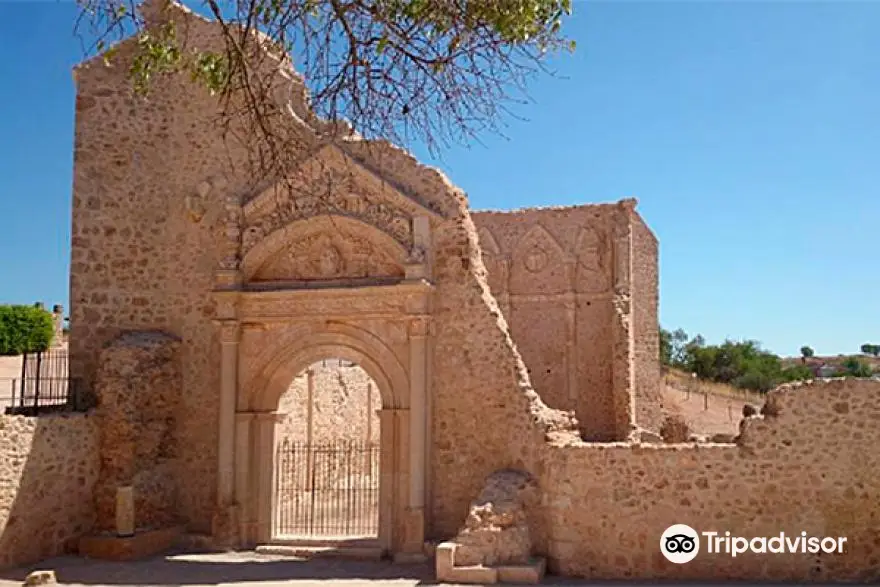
pixel 749 132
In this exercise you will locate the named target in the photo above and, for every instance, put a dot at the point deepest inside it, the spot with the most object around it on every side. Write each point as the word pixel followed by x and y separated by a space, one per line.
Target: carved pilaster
pixel 419 328
pixel 232 233
pixel 230 331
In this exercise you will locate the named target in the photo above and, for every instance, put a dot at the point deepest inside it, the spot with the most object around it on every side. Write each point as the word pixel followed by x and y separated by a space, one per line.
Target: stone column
pixel 125 520
pixel 310 424
pixel 243 477
pixel 264 459
pixel 389 470
pixel 418 338
pixel 225 523
pixel 571 367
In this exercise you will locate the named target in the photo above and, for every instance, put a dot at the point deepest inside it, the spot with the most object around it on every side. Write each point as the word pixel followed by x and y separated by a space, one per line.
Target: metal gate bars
pixel 328 490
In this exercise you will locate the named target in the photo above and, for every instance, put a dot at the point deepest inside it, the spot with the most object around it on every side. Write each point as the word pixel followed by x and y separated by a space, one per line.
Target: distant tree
pixel 25 329
pixel 871 349
pixel 673 348
pixel 806 353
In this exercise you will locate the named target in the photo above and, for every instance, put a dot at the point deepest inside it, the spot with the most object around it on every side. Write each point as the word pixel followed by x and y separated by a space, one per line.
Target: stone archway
pixel 394 388
pixel 284 309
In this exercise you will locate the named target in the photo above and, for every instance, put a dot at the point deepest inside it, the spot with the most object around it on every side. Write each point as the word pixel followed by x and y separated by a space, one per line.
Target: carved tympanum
pixel 330 255
pixel 387 217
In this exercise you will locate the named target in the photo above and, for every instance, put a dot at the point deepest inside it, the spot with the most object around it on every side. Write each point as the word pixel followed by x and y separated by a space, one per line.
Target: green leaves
pixel 157 54
pixel 212 70
pixel 25 329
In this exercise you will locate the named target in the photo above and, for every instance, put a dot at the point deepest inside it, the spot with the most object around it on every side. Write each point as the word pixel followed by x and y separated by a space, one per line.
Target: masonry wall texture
pixel 645 308
pixel 138 391
pixel 557 275
pixel 812 466
pixel 48 469
pixel 172 232
pixel 345 405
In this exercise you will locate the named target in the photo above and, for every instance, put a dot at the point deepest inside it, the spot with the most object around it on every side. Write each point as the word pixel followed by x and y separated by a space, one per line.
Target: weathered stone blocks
pixel 138 389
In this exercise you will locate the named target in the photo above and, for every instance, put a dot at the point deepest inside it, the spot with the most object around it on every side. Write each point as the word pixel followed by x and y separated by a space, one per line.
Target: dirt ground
pixel 721 416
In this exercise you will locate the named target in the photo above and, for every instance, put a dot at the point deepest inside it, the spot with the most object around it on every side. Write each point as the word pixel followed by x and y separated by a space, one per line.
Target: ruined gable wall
pixel 812 468
pixel 553 272
pixel 139 260
pixel 48 468
pixel 646 297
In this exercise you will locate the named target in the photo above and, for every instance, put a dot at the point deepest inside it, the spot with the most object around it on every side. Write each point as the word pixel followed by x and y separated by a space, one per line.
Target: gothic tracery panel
pixel 592 253
pixel 493 260
pixel 538 264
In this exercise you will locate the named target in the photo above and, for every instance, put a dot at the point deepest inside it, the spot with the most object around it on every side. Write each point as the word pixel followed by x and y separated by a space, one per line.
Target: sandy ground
pixel 248 568
pixel 721 416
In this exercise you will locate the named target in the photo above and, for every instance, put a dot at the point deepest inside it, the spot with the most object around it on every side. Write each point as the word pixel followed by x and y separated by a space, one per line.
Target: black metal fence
pixel 327 489
pixel 44 385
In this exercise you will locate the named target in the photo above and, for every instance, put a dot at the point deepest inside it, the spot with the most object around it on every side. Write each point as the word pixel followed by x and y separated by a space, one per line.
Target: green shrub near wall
pixel 25 329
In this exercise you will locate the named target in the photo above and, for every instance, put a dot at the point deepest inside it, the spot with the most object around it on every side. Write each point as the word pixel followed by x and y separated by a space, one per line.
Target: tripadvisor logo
pixel 680 544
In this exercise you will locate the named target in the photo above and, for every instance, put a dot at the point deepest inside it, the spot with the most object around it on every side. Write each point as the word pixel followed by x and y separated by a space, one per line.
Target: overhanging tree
pixel 433 71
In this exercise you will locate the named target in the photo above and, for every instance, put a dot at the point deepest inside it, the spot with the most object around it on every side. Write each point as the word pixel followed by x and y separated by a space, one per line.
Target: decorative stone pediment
pixel 332 184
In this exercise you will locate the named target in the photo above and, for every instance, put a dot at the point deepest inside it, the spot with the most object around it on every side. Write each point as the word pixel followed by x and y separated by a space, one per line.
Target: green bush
pixel 25 329
pixel 853 367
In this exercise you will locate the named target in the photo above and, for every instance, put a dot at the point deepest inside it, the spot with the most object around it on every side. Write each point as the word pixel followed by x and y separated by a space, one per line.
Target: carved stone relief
pixel 592 254
pixel 538 264
pixel 387 217
pixel 325 256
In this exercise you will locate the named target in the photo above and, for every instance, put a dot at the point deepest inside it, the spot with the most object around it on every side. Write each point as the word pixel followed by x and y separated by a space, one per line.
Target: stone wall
pixel 48 468
pixel 560 275
pixel 810 465
pixel 345 405
pixel 645 309
pixel 155 182
pixel 139 394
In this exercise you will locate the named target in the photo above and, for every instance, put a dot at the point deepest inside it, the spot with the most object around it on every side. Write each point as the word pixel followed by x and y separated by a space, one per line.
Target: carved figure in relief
pixel 330 262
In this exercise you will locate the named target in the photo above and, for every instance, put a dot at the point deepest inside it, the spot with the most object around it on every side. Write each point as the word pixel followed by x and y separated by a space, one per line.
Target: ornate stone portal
pixel 313 288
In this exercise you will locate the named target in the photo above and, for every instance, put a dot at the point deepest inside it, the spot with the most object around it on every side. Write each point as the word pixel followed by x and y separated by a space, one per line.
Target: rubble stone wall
pixel 811 467
pixel 48 469
pixel 138 391
pixel 645 315
pixel 345 404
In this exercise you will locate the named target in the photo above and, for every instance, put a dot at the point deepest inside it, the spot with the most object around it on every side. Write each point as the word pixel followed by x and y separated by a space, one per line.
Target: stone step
pixel 312 551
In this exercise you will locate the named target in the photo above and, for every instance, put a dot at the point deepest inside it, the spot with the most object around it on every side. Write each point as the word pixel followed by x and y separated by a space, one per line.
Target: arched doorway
pixel 307 289
pixel 327 455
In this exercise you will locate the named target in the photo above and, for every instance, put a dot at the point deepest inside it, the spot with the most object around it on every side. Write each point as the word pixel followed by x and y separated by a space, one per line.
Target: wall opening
pixel 327 473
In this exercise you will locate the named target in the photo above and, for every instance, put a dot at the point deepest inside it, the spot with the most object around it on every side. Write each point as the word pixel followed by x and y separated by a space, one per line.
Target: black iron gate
pixel 328 489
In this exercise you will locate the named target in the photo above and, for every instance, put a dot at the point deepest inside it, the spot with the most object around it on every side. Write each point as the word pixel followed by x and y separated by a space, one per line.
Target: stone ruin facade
pixel 514 354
